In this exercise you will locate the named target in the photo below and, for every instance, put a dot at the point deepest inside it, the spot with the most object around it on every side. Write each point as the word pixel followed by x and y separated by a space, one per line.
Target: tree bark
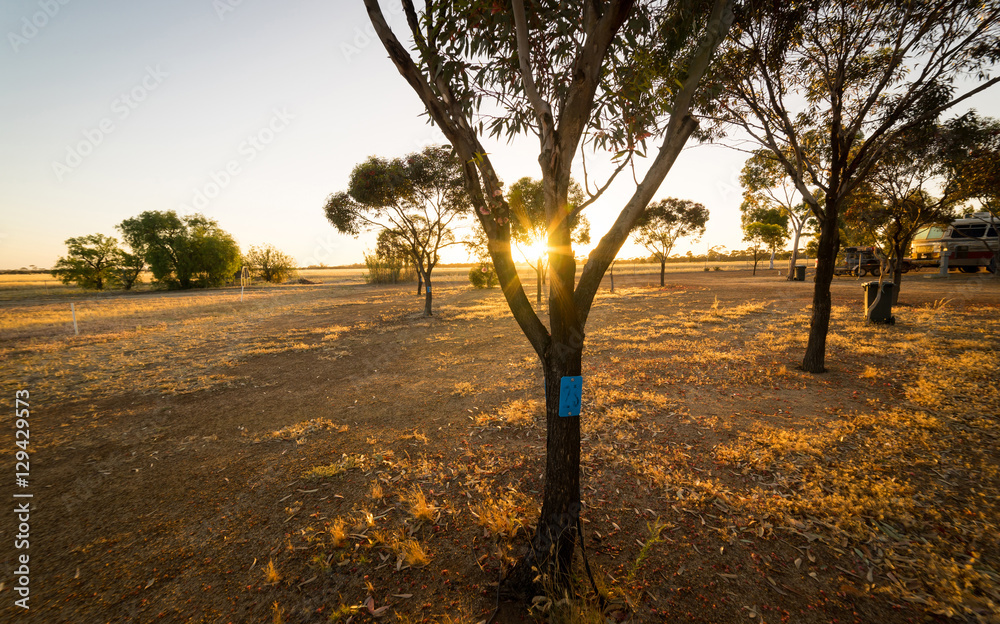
pixel 795 255
pixel 814 360
pixel 538 282
pixel 663 270
pixel 420 282
pixel 428 297
pixel 554 539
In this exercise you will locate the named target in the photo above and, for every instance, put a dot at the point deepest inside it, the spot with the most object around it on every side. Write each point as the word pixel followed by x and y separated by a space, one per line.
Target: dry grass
pixel 698 432
pixel 413 553
pixel 516 413
pixel 271 574
pixel 338 533
pixel 120 334
pixel 419 508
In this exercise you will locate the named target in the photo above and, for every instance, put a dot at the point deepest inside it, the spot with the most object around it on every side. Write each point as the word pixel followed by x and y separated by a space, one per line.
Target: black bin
pixel 800 273
pixel 882 313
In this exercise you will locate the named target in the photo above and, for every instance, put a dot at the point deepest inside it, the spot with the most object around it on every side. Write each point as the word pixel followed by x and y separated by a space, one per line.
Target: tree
pixel 826 87
pixel 90 261
pixel 763 227
pixel 766 185
pixel 666 222
pixel 416 198
pixel 269 264
pixel 182 252
pixel 128 268
pixel 975 172
pixel 483 274
pixel 529 227
pixel 895 202
pixel 612 75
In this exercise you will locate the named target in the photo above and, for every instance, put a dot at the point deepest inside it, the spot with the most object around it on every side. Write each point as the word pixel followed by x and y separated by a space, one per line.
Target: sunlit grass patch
pixel 300 430
pixel 271 574
pixel 413 553
pixel 347 462
pixel 516 413
pixel 502 514
pixel 418 505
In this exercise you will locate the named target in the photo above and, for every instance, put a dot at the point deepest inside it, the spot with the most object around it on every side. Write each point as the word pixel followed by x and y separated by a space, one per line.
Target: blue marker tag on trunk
pixel 570 396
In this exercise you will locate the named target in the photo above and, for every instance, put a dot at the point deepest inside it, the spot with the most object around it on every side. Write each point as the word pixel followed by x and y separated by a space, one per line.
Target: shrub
pixel 270 264
pixel 382 270
pixel 483 275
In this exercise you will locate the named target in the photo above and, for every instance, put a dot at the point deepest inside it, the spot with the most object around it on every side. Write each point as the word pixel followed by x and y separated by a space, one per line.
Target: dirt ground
pixel 323 453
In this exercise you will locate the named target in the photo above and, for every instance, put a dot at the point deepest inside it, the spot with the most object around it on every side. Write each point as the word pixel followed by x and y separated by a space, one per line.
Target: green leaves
pixel 667 221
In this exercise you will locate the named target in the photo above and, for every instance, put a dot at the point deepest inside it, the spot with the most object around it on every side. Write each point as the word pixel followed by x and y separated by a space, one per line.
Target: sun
pixel 537 249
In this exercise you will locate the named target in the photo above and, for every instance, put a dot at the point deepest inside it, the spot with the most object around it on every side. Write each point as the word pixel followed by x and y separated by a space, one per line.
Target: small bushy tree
pixel 416 198
pixel 183 252
pixel 90 262
pixel 270 264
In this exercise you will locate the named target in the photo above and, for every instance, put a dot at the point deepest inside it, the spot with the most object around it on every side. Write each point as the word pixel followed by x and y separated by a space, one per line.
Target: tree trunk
pixel 427 297
pixel 663 270
pixel 770 265
pixel 795 255
pixel 554 539
pixel 420 282
pixel 826 260
pixel 538 282
pixel 897 272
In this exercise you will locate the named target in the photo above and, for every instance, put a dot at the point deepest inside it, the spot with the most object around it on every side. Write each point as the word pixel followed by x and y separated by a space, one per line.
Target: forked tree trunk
pixel 794 259
pixel 554 540
pixel 814 360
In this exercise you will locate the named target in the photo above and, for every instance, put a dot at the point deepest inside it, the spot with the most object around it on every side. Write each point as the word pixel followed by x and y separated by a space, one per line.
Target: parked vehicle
pixel 970 243
pixel 860 261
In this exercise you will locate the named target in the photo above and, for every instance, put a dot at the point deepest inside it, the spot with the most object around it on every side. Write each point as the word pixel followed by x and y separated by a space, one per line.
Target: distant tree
pixel 764 235
pixel 269 264
pixel 392 251
pixel 128 269
pixel 766 185
pixel 416 198
pixel 530 227
pixel 182 252
pixel 827 86
pixel 667 221
pixel 90 262
pixel 483 274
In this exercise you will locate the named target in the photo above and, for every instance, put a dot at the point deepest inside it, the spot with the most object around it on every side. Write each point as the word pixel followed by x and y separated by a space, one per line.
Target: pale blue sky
pixel 114 107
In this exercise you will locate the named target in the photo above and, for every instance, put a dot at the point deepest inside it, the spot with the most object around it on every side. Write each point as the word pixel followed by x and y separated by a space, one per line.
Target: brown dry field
pixel 321 453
